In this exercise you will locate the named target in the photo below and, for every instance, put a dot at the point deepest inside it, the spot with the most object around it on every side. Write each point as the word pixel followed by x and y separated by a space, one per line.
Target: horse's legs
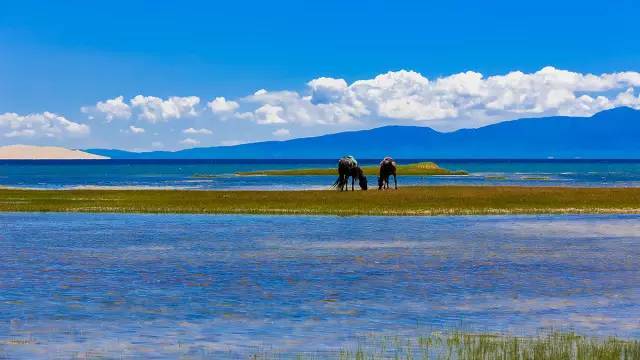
pixel 353 181
pixel 395 180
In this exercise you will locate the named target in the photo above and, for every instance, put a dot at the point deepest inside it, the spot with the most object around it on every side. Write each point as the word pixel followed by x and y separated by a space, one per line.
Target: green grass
pixel 469 346
pixel 435 200
pixel 536 178
pixel 422 168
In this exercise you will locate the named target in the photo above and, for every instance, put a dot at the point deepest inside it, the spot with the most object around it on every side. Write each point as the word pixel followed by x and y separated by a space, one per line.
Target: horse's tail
pixel 335 184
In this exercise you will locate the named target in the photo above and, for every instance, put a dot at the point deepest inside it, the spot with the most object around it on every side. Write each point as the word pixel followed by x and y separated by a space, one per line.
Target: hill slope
pixel 608 134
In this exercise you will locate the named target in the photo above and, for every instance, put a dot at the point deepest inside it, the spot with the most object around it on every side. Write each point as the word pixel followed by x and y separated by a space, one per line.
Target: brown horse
pixel 387 168
pixel 348 167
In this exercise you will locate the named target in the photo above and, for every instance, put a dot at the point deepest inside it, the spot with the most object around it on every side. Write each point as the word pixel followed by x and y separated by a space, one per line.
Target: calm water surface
pixel 219 174
pixel 227 286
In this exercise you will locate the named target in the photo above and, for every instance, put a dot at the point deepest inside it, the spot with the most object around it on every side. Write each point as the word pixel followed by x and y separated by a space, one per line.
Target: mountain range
pixel 610 134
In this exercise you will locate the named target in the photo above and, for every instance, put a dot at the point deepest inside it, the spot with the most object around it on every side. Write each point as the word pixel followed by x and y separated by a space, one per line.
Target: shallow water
pixel 227 286
pixel 219 174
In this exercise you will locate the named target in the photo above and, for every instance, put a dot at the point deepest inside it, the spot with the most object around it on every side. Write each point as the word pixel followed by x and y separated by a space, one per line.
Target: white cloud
pixel 222 105
pixel 189 142
pixel 157 144
pixel 114 108
pixel 281 132
pixel 628 99
pixel 46 124
pixel 269 114
pixel 154 109
pixel 193 131
pixel 327 90
pixel 467 99
pixel 136 130
pixel 279 107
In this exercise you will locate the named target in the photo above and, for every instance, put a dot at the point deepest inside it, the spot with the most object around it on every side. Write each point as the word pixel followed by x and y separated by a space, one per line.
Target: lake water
pixel 162 286
pixel 219 174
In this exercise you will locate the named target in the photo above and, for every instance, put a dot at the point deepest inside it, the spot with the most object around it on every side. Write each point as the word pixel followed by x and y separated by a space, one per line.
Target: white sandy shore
pixel 28 152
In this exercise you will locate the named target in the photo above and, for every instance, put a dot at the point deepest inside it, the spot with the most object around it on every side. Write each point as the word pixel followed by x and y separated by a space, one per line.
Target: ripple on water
pixel 179 284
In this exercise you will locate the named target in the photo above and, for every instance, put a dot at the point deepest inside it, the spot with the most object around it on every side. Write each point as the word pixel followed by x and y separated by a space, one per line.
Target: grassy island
pixel 422 168
pixel 433 200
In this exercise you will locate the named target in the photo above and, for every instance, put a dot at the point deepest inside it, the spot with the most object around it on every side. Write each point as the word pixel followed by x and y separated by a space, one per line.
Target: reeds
pixel 472 346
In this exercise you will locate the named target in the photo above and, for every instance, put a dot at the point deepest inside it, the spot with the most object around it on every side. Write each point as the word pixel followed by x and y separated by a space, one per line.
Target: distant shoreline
pixel 408 201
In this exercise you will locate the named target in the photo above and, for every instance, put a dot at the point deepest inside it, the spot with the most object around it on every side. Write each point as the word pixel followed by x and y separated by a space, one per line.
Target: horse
pixel 387 168
pixel 348 167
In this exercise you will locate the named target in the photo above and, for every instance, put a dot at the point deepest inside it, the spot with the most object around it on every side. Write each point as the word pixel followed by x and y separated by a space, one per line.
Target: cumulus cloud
pixel 269 114
pixel 466 99
pixel 40 125
pixel 281 132
pixel 222 105
pixel 136 130
pixel 327 90
pixel 154 109
pixel 189 142
pixel 192 131
pixel 459 100
pixel 279 107
pixel 111 109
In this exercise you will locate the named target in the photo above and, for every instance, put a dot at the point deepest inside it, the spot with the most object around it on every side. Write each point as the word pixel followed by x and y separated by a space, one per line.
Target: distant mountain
pixel 609 134
pixel 28 152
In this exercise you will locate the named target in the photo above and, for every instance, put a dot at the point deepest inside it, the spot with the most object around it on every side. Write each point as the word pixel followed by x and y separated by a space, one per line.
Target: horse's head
pixel 380 182
pixel 363 182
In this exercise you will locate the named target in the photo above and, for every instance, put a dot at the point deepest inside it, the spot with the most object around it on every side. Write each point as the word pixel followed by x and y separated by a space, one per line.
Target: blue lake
pixel 219 174
pixel 163 286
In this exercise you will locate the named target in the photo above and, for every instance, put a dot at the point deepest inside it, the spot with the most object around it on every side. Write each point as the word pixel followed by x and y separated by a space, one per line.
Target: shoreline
pixel 407 201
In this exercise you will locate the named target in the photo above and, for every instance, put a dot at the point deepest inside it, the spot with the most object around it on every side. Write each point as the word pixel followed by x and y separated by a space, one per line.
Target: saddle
pixel 351 160
pixel 387 160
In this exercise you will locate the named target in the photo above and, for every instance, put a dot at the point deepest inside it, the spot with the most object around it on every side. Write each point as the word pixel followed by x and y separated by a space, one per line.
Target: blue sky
pixel 318 62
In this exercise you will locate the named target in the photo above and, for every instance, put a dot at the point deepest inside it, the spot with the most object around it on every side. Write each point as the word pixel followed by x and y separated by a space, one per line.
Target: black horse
pixel 348 167
pixel 387 168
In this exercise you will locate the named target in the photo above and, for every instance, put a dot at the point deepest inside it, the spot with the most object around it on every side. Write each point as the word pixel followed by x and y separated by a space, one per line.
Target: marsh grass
pixel 416 169
pixel 434 200
pixel 460 345
pixel 536 178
